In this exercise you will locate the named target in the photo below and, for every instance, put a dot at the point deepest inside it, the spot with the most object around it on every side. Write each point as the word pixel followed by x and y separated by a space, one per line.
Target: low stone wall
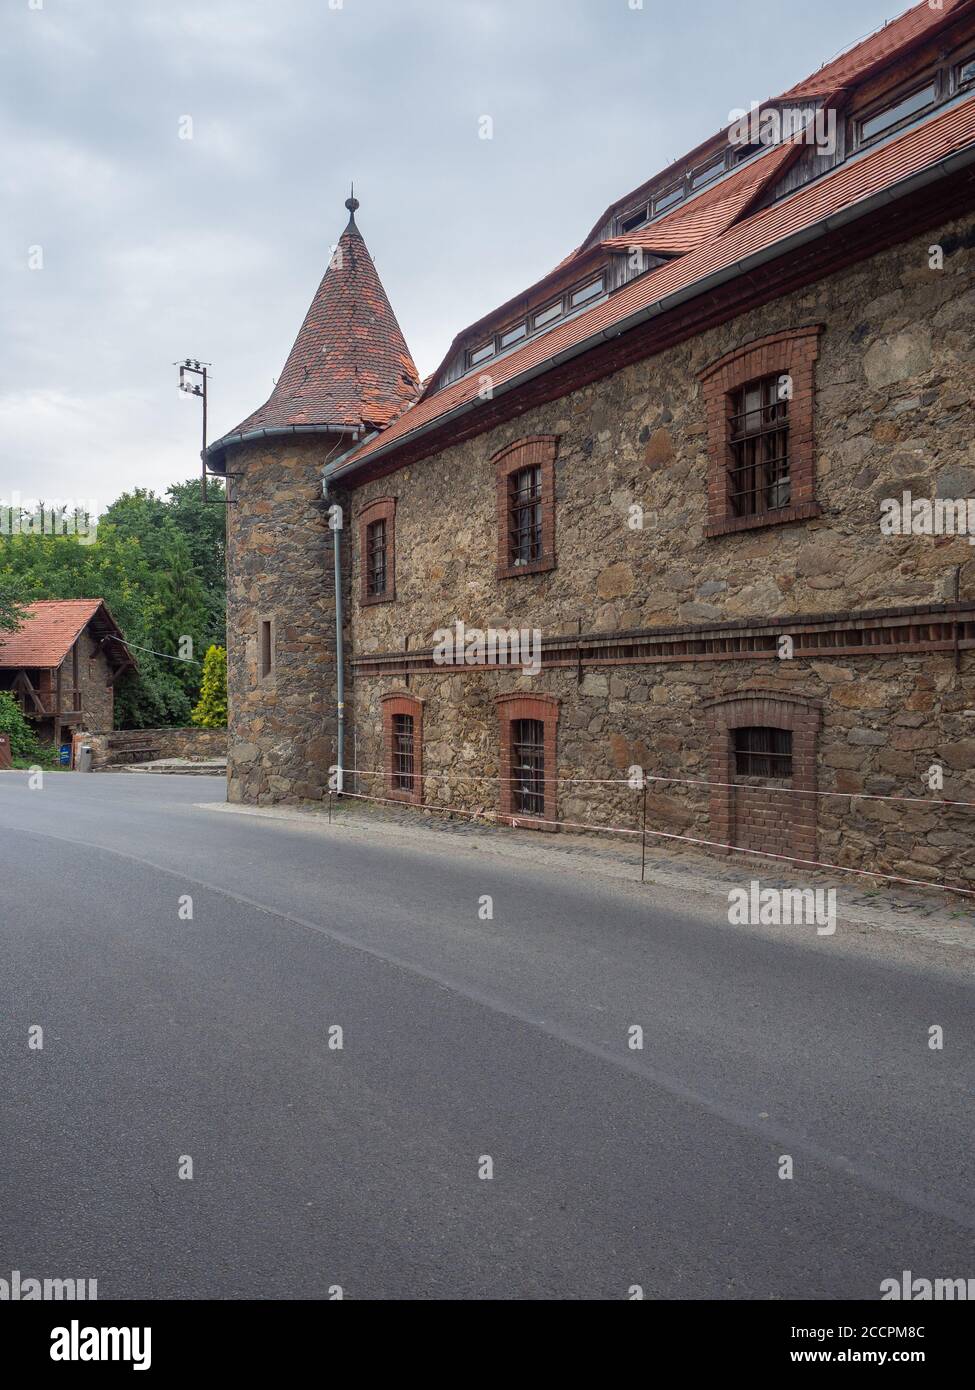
pixel 145 745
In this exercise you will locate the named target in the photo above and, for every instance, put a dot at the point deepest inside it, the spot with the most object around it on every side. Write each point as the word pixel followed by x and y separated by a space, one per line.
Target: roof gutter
pixel 942 169
pixel 280 431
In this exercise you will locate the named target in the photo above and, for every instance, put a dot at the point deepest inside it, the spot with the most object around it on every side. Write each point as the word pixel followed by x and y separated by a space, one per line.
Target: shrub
pixel 211 712
pixel 23 743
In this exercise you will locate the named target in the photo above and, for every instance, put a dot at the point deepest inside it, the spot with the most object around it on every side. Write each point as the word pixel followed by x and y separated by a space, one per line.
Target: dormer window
pixel 706 172
pixel 668 198
pixel 966 74
pixel 635 219
pixel 891 117
pixel 549 315
pixel 481 354
pixel 513 335
pixel 586 292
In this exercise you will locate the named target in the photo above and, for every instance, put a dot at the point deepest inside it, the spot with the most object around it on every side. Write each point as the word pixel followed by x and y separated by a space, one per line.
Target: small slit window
pixel 763 752
pixel 266 646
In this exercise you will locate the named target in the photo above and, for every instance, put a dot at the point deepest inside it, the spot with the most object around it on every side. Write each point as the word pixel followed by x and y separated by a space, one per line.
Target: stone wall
pixel 94 677
pixel 884 723
pixel 895 380
pixel 144 745
pixel 894 386
pixel 280 569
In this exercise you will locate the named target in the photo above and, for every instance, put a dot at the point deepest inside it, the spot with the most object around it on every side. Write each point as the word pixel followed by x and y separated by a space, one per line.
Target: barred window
pixel 404 770
pixel 525 515
pixel 528 766
pixel 760 479
pixel 376 558
pixel 763 752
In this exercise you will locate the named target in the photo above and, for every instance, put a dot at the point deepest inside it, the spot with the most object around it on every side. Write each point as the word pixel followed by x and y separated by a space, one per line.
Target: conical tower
pixel 348 373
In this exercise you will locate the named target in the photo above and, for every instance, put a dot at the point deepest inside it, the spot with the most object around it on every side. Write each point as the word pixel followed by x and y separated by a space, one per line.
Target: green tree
pixel 211 712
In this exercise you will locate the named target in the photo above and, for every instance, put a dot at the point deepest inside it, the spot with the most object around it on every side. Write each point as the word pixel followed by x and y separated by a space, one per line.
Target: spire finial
pixel 352 202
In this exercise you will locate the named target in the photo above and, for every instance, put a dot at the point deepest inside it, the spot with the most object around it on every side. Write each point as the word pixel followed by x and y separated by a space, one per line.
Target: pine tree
pixel 211 712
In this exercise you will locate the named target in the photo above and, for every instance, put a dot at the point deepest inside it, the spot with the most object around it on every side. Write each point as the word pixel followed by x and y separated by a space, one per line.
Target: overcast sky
pixel 155 247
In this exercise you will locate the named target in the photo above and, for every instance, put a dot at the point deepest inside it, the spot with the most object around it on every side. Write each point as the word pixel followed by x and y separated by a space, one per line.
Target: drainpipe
pixel 335 520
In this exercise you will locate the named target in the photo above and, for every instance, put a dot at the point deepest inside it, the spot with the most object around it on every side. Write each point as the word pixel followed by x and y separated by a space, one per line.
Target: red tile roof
pixel 882 168
pixel 349 365
pixel 857 62
pixel 49 632
pixel 711 212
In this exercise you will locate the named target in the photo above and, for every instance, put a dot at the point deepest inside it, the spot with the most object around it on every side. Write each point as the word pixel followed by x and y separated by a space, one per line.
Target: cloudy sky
pixel 126 245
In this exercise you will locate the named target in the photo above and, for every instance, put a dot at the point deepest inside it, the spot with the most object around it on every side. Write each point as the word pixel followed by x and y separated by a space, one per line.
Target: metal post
pixel 339 657
pixel 643 839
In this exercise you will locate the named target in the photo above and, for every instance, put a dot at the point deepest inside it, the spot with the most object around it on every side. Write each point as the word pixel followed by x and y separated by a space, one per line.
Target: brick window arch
pixel 525 474
pixel 529 746
pixel 761 452
pixel 763 751
pixel 377 551
pixel 403 748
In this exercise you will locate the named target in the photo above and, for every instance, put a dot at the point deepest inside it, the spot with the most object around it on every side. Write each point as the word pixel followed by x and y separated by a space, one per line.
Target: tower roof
pixel 349 367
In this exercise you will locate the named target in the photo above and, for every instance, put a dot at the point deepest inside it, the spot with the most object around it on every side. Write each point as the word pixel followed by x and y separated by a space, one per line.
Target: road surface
pixel 464 1039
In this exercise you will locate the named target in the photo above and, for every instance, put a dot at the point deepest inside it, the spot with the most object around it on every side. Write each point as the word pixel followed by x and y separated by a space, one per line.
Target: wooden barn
pixel 62 664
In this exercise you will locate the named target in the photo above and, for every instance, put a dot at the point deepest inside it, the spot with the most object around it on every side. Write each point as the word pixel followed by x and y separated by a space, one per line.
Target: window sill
pixel 801 511
pixel 369 600
pixel 535 567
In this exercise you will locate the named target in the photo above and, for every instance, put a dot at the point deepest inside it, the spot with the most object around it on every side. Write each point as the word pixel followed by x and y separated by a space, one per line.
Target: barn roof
pixel 51 628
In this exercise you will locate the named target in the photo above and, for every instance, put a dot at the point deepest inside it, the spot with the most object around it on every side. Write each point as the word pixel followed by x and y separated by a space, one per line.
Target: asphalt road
pixel 462 1038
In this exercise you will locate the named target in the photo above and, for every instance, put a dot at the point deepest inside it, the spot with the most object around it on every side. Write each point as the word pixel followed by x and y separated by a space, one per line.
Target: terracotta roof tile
pixel 882 168
pixel 349 365
pixel 49 632
pixel 853 65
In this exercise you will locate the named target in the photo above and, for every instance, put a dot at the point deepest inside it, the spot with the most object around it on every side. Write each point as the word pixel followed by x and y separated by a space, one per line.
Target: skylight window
pixel 892 116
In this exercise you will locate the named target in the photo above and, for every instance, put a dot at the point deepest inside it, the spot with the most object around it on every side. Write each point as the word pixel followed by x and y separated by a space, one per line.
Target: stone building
pixel 711 477
pixel 61 665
